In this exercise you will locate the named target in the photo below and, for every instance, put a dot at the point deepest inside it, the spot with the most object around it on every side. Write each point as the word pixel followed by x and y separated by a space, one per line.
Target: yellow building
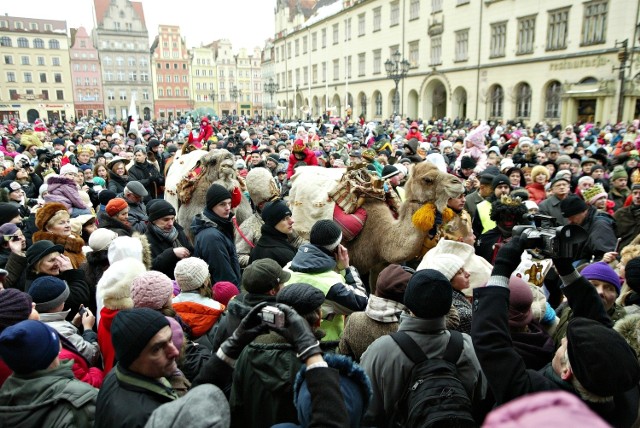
pixel 204 80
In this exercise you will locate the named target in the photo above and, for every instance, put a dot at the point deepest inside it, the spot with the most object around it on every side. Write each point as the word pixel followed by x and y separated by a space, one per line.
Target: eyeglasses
pixel 13 238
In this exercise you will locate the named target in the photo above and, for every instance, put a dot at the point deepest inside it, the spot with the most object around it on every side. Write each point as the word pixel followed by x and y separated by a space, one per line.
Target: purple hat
pixel 602 272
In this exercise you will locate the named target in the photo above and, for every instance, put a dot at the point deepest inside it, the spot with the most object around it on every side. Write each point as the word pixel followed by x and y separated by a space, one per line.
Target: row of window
pixel 26 60
pixel 169 92
pixel 120 76
pixel 176 78
pixel 111 95
pixel 117 45
pixel 167 66
pixel 131 61
pixel 27 77
pixel 30 94
pixel 23 42
pixel 522 95
pixel 19 25
pixel 86 81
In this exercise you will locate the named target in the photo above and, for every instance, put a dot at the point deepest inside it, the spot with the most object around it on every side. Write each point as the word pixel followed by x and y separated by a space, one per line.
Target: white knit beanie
pixel 115 285
pixel 191 273
pixel 447 264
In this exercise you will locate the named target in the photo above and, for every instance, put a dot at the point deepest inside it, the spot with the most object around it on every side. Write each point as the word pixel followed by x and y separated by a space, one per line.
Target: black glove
pixel 508 258
pixel 564 265
pixel 298 332
pixel 250 327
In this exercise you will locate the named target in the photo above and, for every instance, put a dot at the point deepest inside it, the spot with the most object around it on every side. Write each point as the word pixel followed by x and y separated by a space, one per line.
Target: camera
pixel 551 240
pixel 272 316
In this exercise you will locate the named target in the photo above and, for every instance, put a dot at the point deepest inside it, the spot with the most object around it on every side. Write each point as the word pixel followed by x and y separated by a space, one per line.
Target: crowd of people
pixel 114 315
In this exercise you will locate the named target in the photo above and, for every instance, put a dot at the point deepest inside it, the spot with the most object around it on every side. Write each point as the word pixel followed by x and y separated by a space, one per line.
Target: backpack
pixel 434 396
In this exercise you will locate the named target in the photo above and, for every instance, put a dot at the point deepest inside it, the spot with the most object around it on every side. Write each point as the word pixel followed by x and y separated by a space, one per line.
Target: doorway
pixel 586 110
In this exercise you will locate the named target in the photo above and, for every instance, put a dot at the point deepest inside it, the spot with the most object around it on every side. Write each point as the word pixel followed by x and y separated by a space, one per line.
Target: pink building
pixel 85 75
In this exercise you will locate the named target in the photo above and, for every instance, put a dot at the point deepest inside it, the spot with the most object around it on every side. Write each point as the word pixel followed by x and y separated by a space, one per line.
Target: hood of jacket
pixel 311 259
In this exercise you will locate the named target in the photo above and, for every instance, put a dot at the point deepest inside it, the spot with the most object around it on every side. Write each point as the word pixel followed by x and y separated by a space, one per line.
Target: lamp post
pixel 623 56
pixel 235 93
pixel 397 68
pixel 271 88
pixel 212 95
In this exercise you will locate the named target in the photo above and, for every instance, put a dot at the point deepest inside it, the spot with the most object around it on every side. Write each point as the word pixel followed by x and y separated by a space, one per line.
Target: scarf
pixel 171 236
pixel 383 310
pixel 224 224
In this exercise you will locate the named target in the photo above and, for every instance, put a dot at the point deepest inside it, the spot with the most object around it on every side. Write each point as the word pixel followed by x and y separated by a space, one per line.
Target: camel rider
pixel 369 155
pixel 393 176
pixel 300 153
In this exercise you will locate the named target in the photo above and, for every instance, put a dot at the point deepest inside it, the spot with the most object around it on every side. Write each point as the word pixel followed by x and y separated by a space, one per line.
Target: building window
pixel 305 75
pixel 54 44
pixel 314 41
pixel 289 50
pixel 526 34
pixel 552 100
pixel 123 95
pixel 523 100
pixel 131 61
pixel 324 38
pixel 336 33
pixel 23 42
pixel 45 94
pixel 111 95
pixel 314 73
pixel 436 50
pixel 133 76
pixel 377 61
pixel 361 24
pixel 13 94
pixel 108 61
pixel 8 59
pixel 361 64
pixel 363 104
pixel 414 9
pixel 557 30
pixel 59 94
pixel 55 61
pixel 43 77
pixel 119 61
pixel 436 6
pixel 414 53
pixel 324 71
pixel 336 69
pixel 120 76
pixel 496 100
pixel 394 13
pixel 348 67
pixel 169 92
pixel 378 104
pixel 108 76
pixel 57 77
pixel 377 18
pixel 161 78
pixel 11 76
pixel 462 45
pixel 5 41
pixel 40 60
pixel 304 44
pixel 347 29
pixel 498 39
pixel 297 47
pixel 594 26
pixel 38 43
pixel 27 77
pixel 24 60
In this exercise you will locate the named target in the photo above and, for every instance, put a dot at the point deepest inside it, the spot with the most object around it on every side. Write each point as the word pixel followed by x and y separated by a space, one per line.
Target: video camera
pixel 551 240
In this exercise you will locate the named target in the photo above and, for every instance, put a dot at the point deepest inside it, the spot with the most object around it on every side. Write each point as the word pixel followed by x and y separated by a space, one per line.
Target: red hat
pixel 298 146
pixel 116 205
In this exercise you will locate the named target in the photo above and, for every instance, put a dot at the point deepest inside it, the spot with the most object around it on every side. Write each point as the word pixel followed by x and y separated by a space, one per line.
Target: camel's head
pixel 428 184
pixel 219 165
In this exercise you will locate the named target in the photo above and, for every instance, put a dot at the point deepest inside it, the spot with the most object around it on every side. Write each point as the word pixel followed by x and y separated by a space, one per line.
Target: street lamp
pixel 271 88
pixel 623 56
pixel 397 68
pixel 235 93
pixel 212 95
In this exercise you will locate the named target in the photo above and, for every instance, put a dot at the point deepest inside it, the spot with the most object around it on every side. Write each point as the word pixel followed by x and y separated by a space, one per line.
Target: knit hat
pixel 105 196
pixel 8 229
pixel 151 290
pixel 47 212
pixel 263 275
pixel 428 294
pixel 132 329
pixel 467 162
pixel 115 284
pixel 40 249
pixel 191 273
pixel 520 300
pixel 116 205
pixel 392 283
pixel 136 188
pixel 390 171
pixel 29 346
pixel 601 360
pixel 601 271
pixel 159 208
pixel 499 180
pixel 216 194
pixel 632 274
pixel 125 247
pixel 447 264
pixel 326 234
pixel 563 159
pixel 177 334
pixel 48 292
pixel 8 212
pixel 101 238
pixel 592 194
pixel 572 205
pixel 140 148
pixel 224 291
pixel 587 161
pixel 68 169
pixel 618 172
pixel 274 212
pixel 15 306
pixel 304 298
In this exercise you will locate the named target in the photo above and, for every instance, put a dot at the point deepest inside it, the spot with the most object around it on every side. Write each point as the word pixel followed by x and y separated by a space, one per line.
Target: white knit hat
pixel 191 273
pixel 68 168
pixel 115 285
pixel 124 247
pixel 101 238
pixel 447 264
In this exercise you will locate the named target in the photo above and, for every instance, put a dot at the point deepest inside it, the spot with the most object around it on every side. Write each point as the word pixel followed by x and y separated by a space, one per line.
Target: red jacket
pixel 81 370
pixel 104 338
pixel 537 193
pixel 197 316
pixel 309 158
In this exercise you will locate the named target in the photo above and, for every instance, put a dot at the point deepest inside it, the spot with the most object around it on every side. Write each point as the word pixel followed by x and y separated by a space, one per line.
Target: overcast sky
pixel 247 23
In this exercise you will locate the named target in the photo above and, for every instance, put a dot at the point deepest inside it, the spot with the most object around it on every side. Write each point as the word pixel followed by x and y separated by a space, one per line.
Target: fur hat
pixel 48 292
pixel 539 169
pixel 447 264
pixel 47 212
pixel 115 284
pixel 132 329
pixel 151 289
pixel 15 306
pixel 191 273
pixel 326 234
pixel 392 282
pixel 428 294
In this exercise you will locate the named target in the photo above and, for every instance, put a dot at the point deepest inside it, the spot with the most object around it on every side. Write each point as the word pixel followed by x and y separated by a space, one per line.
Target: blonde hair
pixel 629 252
pixel 59 215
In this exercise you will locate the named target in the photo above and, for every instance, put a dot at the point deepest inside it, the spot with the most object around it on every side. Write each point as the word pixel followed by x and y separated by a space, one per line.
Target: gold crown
pixel 511 202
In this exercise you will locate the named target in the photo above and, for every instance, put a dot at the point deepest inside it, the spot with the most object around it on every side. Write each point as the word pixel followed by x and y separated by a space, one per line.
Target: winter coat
pixel 619 197
pixel 97 262
pixel 504 367
pixel 273 245
pixel 117 183
pixel 463 307
pixel 47 398
pixel 551 207
pixel 148 176
pixel 534 345
pixel 486 244
pixel 72 245
pixel 81 368
pixel 627 224
pixel 565 314
pixel 537 193
pixel 17 268
pixel 384 360
pixel 198 316
pixel 104 338
pixel 127 399
pixel 309 158
pixel 64 190
pixel 214 244
pixel 601 237
pixel 107 222
pixel 79 291
pixel 164 259
pixel 344 293
pixel 86 344
pixel 470 205
pixel 380 317
pixel 137 216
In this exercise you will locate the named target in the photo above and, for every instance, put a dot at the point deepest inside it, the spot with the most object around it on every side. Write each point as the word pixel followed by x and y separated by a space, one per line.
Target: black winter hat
pixel 304 298
pixel 40 249
pixel 428 294
pixel 572 205
pixel 632 274
pixel 499 180
pixel 326 234
pixel 390 171
pixel 132 329
pixel 467 162
pixel 600 358
pixel 8 212
pixel 105 196
pixel 273 212
pixel 216 194
pixel 158 208
pixel 48 292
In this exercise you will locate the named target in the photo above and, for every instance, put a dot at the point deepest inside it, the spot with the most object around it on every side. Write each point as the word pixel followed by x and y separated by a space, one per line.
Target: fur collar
pixel 629 327
pixel 70 243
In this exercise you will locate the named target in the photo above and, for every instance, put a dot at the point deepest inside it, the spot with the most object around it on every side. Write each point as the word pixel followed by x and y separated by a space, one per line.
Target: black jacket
pixel 273 245
pixel 107 222
pixel 164 259
pixel 601 236
pixel 148 176
pixel 116 183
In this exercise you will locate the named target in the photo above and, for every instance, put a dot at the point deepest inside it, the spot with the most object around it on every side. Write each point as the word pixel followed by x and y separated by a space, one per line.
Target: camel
pixel 383 239
pixel 217 166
